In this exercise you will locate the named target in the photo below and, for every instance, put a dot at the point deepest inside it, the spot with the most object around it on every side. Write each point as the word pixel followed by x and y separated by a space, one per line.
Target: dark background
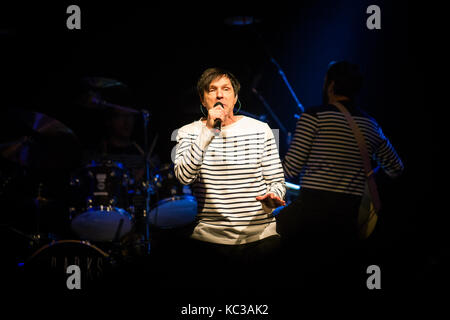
pixel 160 49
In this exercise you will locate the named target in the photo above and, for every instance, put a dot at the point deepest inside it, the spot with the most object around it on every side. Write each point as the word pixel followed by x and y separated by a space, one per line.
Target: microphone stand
pixel 145 117
pixel 280 71
pixel 286 82
pixel 269 109
pixel 283 76
pixel 274 116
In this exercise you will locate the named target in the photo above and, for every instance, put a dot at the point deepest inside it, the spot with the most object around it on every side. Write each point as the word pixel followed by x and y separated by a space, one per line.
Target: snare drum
pixel 101 208
pixel 172 205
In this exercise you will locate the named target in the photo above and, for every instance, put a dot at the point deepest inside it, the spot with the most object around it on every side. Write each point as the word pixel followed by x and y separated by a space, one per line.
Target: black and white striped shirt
pixel 227 172
pixel 325 154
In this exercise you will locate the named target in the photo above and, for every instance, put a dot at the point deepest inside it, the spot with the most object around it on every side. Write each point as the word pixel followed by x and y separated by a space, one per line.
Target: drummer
pixel 114 139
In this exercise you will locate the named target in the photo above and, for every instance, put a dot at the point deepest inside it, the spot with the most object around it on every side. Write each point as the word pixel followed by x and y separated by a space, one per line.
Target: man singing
pixel 233 165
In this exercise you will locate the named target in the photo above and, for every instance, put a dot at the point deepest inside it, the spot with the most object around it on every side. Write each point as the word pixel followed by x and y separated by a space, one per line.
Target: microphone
pixel 218 123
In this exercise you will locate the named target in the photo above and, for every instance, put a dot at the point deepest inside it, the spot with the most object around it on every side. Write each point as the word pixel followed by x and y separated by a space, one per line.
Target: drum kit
pixel 65 213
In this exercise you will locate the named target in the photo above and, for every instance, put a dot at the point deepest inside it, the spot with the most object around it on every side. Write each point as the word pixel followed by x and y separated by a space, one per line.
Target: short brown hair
pixel 211 74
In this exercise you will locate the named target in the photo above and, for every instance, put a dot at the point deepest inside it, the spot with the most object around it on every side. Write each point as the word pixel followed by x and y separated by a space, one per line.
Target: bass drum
pixel 172 205
pixel 48 267
pixel 100 209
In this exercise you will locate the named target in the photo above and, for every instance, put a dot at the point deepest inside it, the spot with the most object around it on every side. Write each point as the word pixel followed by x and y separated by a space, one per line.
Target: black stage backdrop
pixel 159 49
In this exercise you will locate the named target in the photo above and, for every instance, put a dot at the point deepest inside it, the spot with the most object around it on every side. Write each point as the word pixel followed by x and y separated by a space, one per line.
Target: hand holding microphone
pixel 216 115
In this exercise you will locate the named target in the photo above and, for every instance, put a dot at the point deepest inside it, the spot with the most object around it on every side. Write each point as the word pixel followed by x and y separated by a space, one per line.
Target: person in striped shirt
pixel 235 174
pixel 325 155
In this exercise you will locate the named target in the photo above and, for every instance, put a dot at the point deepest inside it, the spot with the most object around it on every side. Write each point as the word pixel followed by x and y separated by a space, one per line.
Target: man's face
pixel 220 90
pixel 122 124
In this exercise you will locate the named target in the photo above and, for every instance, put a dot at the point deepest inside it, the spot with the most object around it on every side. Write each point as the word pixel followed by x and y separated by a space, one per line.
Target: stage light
pixel 240 20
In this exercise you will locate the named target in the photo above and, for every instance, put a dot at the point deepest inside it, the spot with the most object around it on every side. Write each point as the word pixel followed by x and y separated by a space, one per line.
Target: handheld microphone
pixel 218 123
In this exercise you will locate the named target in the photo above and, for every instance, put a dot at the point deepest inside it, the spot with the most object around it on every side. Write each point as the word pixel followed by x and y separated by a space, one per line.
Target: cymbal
pixel 106 93
pixel 102 82
pixel 43 142
pixel 44 125
pixel 93 100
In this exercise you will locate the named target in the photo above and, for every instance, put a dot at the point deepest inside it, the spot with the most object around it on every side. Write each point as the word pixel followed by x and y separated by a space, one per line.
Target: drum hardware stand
pixel 35 238
pixel 115 251
pixel 145 117
pixel 32 238
pixel 38 202
pixel 117 235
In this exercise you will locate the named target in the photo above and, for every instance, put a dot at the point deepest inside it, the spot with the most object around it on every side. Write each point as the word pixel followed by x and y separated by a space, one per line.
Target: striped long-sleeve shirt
pixel 227 173
pixel 325 154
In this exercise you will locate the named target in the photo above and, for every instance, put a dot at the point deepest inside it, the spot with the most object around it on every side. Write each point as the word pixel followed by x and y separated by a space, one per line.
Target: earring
pixel 239 108
pixel 201 109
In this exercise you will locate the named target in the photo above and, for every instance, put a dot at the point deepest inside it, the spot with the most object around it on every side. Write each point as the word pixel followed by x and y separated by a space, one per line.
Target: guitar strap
pixel 364 155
